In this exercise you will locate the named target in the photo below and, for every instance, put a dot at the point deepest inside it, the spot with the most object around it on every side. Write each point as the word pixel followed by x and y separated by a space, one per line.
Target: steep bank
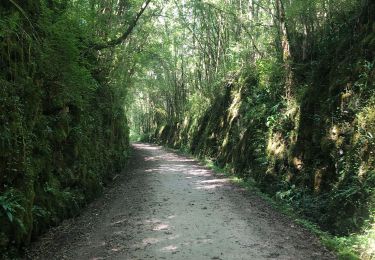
pixel 313 149
pixel 63 130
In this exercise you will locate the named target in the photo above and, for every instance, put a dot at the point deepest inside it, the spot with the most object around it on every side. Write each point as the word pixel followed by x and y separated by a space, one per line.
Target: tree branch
pixel 126 34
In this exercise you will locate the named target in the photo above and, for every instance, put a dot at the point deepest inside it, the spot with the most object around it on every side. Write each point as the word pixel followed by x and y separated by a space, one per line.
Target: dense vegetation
pixel 280 93
pixel 63 128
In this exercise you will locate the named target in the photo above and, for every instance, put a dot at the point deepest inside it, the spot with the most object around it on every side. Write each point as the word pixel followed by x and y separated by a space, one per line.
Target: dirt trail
pixel 167 206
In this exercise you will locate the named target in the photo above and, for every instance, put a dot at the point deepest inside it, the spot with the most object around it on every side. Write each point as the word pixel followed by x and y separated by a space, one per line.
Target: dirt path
pixel 169 207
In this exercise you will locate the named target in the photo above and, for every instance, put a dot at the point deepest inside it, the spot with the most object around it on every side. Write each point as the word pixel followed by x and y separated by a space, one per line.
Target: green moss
pixel 63 129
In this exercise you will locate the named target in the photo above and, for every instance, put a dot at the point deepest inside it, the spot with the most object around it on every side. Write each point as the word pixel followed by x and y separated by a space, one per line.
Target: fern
pixel 10 206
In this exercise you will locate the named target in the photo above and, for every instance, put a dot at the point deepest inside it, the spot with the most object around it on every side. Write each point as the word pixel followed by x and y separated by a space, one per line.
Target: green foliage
pixel 10 205
pixel 288 103
pixel 63 129
pixel 301 127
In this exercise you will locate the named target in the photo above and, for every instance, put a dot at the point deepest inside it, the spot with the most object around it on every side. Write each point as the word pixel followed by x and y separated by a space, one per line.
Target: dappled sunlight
pixel 182 159
pixel 334 132
pixel 172 237
pixel 168 157
pixel 146 146
pixel 117 249
pixel 150 241
pixel 276 145
pixel 160 227
pixel 371 247
pixel 199 172
pixel 366 242
pixel 152 158
pixel 224 180
pixel 153 220
pixel 175 165
pixel 211 184
pixel 169 248
pixel 298 163
pixel 234 108
pixel 209 187
pixel 183 217
pixel 161 235
pixel 167 169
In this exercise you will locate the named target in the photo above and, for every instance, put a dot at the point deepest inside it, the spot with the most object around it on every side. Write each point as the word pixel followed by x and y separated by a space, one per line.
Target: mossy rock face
pixel 63 130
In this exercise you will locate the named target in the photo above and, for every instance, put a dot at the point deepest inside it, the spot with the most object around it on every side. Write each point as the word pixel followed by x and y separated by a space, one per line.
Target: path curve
pixel 168 206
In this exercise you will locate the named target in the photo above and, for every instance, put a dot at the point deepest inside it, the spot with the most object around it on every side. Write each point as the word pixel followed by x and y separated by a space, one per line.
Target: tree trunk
pixel 285 48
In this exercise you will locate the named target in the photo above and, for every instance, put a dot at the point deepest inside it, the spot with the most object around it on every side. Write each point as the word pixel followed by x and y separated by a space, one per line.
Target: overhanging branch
pixel 126 34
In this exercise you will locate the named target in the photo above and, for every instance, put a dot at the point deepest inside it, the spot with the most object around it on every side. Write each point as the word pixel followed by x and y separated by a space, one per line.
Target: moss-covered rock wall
pixel 63 129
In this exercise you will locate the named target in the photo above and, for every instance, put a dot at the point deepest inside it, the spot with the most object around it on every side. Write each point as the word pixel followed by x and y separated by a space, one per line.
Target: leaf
pixel 10 216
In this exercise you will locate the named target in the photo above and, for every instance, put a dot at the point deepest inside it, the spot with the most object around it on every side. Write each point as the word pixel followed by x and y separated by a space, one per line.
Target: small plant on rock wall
pixel 10 205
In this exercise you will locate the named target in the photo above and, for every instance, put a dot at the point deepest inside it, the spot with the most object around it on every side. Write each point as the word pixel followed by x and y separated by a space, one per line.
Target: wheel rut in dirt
pixel 168 206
